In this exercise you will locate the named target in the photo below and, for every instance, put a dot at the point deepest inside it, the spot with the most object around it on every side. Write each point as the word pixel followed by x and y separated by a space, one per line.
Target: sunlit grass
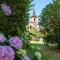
pixel 37 41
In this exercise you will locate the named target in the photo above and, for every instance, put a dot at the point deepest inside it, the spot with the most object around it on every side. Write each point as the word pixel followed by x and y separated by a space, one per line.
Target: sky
pixel 39 5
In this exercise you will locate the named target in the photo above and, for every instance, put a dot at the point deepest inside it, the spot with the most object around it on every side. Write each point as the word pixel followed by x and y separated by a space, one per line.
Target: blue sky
pixel 39 5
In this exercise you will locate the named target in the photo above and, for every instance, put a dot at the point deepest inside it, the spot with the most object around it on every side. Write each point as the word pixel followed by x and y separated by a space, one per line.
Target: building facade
pixel 32 26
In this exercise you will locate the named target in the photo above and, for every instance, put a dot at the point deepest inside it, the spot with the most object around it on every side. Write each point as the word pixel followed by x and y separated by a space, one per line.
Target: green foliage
pixel 50 20
pixel 26 39
pixel 10 25
pixel 38 55
pixel 21 53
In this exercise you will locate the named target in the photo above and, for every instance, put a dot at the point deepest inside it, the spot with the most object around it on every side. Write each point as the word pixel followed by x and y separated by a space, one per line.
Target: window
pixel 30 27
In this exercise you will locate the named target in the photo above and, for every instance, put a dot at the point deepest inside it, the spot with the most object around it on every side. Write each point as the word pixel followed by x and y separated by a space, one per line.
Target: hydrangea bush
pixel 15 42
pixel 2 38
pixel 6 53
pixel 5 9
pixel 19 53
pixel 26 58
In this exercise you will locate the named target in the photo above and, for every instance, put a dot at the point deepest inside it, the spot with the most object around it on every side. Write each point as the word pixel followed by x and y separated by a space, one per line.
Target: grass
pixel 37 42
pixel 48 53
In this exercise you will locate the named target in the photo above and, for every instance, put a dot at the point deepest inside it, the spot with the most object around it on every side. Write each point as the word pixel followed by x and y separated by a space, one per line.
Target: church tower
pixel 33 17
pixel 33 21
pixel 32 26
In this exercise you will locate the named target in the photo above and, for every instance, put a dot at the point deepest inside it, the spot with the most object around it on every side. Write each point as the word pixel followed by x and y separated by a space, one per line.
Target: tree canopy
pixel 50 20
pixel 16 22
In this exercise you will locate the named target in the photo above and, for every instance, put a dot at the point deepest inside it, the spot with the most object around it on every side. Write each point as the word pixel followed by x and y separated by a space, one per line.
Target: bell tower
pixel 32 24
pixel 33 17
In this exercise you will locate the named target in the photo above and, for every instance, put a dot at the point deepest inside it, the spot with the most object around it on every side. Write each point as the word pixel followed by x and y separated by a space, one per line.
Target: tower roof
pixel 34 14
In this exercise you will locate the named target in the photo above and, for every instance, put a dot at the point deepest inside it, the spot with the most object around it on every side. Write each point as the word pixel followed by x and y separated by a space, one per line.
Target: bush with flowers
pixel 15 48
pixel 7 52
pixel 12 49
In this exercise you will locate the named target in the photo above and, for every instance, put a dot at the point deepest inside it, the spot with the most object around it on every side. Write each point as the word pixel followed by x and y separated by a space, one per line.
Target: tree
pixel 15 23
pixel 50 20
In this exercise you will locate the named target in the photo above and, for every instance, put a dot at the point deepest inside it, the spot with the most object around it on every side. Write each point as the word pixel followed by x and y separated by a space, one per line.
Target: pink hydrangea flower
pixel 6 53
pixel 15 42
pixel 5 9
pixel 2 38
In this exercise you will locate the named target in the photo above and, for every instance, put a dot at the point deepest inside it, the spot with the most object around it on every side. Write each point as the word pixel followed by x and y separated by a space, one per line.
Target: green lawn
pixel 50 53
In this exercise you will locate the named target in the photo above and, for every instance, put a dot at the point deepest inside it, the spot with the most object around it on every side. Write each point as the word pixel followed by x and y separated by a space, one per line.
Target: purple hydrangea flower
pixel 6 53
pixel 26 58
pixel 15 42
pixel 2 38
pixel 5 9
